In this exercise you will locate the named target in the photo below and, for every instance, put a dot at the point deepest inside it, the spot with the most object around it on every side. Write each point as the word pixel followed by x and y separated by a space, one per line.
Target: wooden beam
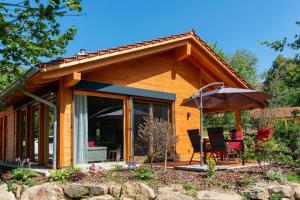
pixel 183 52
pixel 72 79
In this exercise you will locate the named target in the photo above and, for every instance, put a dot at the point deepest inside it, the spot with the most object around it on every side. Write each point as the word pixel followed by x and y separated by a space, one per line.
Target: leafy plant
pixel 143 173
pixel 64 174
pixel 246 180
pixel 275 197
pixel 292 177
pixel 188 186
pixel 211 170
pixel 275 176
pixel 117 167
pixel 22 174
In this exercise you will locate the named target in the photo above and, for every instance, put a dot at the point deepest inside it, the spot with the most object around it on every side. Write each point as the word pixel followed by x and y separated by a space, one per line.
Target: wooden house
pixel 96 101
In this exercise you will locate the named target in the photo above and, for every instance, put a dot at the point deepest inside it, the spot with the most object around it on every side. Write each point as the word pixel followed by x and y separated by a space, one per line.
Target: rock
pixel 296 188
pixel 284 190
pixel 259 193
pixel 3 187
pixel 174 192
pixel 4 195
pixel 102 197
pixel 168 195
pixel 47 191
pixel 97 190
pixel 114 190
pixel 136 191
pixel 76 190
pixel 213 195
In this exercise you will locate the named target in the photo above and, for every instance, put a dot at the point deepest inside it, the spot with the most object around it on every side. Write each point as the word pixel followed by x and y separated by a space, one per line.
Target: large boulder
pixel 102 197
pixel 97 190
pixel 174 192
pixel 114 190
pixel 76 190
pixel 259 193
pixel 283 190
pixel 4 195
pixel 3 187
pixel 213 195
pixel 136 191
pixel 47 191
pixel 296 188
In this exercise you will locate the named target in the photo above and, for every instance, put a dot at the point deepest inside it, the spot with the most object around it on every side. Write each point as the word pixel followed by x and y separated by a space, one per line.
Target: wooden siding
pixel 160 73
pixel 8 119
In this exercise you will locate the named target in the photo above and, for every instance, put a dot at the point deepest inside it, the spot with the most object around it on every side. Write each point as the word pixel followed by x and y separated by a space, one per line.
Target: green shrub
pixel 188 186
pixel 143 173
pixel 63 174
pixel 211 170
pixel 275 197
pixel 22 174
pixel 275 176
pixel 117 167
pixel 292 177
pixel 246 180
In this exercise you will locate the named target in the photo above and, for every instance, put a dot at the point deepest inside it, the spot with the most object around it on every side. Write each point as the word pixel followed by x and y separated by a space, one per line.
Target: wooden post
pixel 41 134
pixel 238 120
pixel 65 132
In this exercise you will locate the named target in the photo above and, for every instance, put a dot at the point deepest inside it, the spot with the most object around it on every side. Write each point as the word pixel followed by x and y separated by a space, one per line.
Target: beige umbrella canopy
pixel 224 99
pixel 227 98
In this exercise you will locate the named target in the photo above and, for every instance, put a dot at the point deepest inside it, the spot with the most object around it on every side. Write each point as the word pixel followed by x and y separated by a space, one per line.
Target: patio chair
pixel 236 146
pixel 218 144
pixel 264 135
pixel 194 136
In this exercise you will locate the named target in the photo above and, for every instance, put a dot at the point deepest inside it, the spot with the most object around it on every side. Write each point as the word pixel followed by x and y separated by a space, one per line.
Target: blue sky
pixel 233 24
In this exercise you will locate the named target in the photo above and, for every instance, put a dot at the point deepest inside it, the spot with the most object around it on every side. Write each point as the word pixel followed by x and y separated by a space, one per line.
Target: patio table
pixel 206 147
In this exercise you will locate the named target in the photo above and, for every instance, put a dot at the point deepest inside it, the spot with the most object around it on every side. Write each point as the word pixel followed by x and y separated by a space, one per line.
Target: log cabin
pixel 87 108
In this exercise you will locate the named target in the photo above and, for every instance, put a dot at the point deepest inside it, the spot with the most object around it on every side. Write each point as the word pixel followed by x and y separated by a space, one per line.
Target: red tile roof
pixel 145 43
pixel 275 112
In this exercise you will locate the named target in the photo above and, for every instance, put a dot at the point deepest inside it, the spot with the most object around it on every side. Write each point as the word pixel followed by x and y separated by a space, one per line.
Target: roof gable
pixel 103 58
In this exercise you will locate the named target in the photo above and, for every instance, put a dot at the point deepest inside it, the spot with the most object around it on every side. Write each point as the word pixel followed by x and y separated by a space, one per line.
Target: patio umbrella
pixel 224 98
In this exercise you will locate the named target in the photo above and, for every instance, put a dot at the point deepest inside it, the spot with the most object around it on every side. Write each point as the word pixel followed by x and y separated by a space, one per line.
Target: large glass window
pixel 147 109
pixel 98 133
pixel 35 129
pixel 105 129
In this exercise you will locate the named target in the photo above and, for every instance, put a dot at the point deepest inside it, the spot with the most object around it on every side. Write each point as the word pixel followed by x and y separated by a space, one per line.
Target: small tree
pixel 160 138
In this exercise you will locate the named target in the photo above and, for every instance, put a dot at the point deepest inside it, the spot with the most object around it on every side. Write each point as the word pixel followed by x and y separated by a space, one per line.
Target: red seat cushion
pixel 91 143
pixel 236 145
pixel 264 134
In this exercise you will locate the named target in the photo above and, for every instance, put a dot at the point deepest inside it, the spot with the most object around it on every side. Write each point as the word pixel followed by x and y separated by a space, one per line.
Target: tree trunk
pixel 166 160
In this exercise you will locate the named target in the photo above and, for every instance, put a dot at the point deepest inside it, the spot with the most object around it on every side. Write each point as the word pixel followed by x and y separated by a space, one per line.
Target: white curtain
pixel 80 129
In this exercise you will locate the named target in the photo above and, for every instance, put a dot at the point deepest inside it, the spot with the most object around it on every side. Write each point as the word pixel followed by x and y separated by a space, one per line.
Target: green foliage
pixel 276 176
pixel 188 186
pixel 63 174
pixel 117 167
pixel 275 197
pixel 279 45
pixel 247 180
pixel 244 62
pixel 30 31
pixel 283 82
pixel 143 173
pixel 289 135
pixel 22 174
pixel 211 170
pixel 293 177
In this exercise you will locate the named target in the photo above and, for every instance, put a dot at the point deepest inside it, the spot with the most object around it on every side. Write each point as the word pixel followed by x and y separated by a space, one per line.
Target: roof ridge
pixel 144 43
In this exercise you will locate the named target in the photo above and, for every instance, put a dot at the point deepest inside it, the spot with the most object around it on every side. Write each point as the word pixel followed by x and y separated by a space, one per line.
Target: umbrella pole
pixel 201 129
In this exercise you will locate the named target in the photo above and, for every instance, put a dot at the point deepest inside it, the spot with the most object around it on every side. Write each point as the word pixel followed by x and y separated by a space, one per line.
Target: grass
pixel 293 177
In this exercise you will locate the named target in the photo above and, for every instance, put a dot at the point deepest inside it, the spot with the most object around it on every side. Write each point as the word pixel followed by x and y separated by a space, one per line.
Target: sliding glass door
pixel 98 133
pixel 144 109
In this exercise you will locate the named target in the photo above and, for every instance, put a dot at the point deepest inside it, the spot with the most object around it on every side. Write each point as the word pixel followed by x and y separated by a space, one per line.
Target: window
pixel 147 109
